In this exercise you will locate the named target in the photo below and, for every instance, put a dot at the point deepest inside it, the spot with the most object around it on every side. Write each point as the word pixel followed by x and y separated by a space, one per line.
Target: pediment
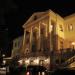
pixel 35 16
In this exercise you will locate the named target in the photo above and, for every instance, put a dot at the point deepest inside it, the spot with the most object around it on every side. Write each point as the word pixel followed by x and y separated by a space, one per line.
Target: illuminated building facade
pixel 70 31
pixel 46 35
pixel 17 46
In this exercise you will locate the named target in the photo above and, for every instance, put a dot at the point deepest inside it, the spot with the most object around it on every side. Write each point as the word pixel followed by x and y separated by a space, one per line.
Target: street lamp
pixel 4 62
pixel 3 55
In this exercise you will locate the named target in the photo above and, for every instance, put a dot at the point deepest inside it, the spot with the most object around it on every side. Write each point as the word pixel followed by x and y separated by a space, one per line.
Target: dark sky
pixel 14 13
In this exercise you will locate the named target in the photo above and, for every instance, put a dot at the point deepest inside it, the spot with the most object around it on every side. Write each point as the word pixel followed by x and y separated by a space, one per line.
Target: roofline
pixel 17 37
pixel 51 11
pixel 69 16
pixel 36 21
pixel 36 13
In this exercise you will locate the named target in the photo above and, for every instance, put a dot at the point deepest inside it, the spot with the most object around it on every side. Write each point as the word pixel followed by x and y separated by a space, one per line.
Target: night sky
pixel 14 13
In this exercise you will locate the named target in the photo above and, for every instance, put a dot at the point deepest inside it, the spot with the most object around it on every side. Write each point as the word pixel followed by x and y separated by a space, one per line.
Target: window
pixel 15 44
pixel 61 28
pixel 41 62
pixel 53 27
pixel 70 27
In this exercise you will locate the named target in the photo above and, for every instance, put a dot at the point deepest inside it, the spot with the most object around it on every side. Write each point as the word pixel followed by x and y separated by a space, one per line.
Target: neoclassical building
pixel 46 35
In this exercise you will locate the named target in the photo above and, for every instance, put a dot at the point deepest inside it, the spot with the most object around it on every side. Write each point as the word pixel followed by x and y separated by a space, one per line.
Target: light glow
pixel 36 61
pixel 73 43
pixel 3 55
pixel 47 60
pixel 27 73
pixel 27 61
pixel 20 62
pixel 4 61
pixel 50 28
pixel 43 73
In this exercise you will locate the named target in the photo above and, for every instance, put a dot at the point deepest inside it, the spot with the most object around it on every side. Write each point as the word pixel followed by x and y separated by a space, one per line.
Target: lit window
pixel 61 28
pixel 51 27
pixel 70 27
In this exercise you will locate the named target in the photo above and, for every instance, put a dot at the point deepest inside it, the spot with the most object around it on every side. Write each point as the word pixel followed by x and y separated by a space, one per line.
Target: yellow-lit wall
pixel 59 34
pixel 59 21
pixel 69 34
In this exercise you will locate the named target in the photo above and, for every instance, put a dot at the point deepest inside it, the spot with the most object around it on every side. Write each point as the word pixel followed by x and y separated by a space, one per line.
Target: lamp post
pixel 4 61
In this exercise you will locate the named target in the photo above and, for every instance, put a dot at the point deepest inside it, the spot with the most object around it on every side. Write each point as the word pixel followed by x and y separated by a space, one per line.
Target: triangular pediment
pixel 35 16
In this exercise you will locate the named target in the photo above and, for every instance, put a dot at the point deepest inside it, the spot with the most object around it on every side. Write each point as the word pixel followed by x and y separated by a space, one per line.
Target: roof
pixel 40 14
pixel 37 15
pixel 70 16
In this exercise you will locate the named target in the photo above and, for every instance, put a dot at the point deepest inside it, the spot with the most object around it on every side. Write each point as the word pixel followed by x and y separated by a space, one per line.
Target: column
pixel 49 35
pixel 46 30
pixel 39 36
pixel 24 40
pixel 31 38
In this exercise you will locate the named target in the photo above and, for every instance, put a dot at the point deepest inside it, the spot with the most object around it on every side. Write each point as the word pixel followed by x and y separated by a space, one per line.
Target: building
pixel 17 45
pixel 46 36
pixel 70 30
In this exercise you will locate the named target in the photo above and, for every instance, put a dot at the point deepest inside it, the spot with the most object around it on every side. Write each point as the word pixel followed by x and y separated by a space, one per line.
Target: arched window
pixel 70 27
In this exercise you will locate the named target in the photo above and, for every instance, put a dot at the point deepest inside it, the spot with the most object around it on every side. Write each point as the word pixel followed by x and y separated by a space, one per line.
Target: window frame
pixel 70 27
pixel 61 27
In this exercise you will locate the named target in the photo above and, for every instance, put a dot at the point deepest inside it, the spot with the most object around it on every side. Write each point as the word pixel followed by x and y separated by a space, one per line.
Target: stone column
pixel 24 41
pixel 49 32
pixel 39 36
pixel 46 30
pixel 45 39
pixel 31 39
pixel 50 44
